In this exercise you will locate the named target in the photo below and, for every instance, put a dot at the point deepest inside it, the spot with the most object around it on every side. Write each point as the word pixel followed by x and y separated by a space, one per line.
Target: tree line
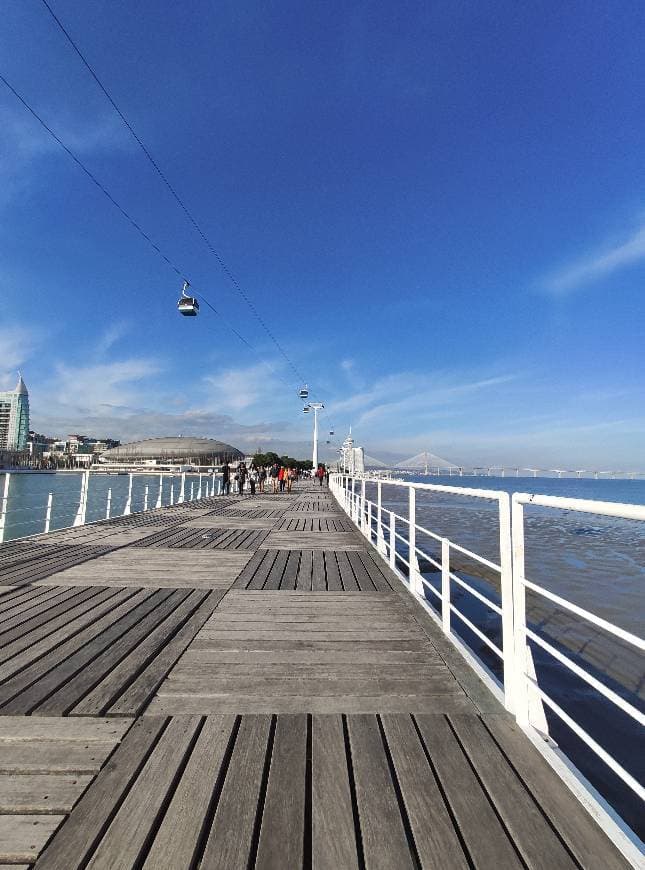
pixel 268 459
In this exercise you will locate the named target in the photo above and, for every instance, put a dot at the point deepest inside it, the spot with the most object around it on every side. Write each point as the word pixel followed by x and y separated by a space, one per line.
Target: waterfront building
pixel 14 418
pixel 173 452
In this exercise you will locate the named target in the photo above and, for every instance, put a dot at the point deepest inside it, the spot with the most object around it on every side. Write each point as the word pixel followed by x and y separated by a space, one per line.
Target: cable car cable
pixel 125 214
pixel 234 281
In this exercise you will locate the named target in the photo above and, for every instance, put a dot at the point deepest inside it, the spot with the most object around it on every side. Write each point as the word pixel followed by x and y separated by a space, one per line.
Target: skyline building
pixel 14 417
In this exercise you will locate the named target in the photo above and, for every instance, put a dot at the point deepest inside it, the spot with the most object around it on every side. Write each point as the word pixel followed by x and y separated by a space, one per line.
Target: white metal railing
pixel 41 514
pixel 519 690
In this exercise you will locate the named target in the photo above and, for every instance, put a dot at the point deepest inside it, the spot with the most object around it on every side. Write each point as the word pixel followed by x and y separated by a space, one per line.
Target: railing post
pixel 414 576
pixel 192 486
pixel 213 485
pixel 445 585
pixel 172 492
pixel 520 694
pixel 199 488
pixel 48 515
pixel 362 506
pixel 79 520
pixel 3 505
pixel 145 498
pixel 368 523
pixel 182 488
pixel 353 501
pixel 379 500
pixel 127 510
pixel 507 596
pixel 392 540
pixel 158 504
pixel 108 504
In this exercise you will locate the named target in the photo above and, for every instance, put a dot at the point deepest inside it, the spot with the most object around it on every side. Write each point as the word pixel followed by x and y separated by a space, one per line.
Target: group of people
pixel 278 477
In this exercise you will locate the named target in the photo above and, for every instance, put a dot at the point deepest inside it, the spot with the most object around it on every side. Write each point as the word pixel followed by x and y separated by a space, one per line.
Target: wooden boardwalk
pixel 240 683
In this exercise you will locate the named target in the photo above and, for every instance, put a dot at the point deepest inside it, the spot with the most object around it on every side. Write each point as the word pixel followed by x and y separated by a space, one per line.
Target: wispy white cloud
pixel 237 389
pixel 17 343
pixel 24 143
pixel 598 264
pixel 98 390
pixel 114 333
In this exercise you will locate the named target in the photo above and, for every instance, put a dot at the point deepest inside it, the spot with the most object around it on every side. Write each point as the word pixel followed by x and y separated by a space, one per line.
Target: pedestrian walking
pixel 275 470
pixel 291 476
pixel 253 476
pixel 320 473
pixel 226 479
pixel 241 477
pixel 262 476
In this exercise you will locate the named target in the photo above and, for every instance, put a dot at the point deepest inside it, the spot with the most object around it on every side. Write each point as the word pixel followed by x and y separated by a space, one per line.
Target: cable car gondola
pixel 187 305
pixel 304 391
pixel 306 409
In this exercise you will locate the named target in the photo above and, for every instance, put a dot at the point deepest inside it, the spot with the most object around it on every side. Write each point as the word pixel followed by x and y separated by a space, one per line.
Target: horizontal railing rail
pixel 172 488
pixel 399 540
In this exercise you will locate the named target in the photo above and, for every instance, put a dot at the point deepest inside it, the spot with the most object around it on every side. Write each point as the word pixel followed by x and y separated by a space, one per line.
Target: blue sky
pixel 438 208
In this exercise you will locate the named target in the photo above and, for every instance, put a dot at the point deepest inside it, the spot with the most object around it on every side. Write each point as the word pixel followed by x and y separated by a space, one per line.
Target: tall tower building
pixel 14 417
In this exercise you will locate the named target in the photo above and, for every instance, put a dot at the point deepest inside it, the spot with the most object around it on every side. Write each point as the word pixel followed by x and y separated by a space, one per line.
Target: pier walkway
pixel 242 682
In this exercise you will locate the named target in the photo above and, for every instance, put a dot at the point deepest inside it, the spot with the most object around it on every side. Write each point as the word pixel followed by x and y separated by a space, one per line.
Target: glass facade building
pixel 14 417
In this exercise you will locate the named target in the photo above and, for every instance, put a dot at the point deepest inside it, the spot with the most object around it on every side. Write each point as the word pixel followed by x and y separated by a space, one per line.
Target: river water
pixel 28 493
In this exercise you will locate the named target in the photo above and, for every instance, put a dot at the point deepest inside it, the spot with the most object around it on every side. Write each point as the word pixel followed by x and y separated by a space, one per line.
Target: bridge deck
pixel 243 683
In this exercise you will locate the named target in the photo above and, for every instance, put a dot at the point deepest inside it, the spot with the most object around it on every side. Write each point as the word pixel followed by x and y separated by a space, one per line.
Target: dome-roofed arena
pixel 174 451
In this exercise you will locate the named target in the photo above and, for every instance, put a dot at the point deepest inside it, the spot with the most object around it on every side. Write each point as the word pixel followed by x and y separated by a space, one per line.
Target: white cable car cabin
pixel 304 392
pixel 306 409
pixel 187 305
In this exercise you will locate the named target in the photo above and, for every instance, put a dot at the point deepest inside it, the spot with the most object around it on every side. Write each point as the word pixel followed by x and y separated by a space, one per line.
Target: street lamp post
pixel 315 407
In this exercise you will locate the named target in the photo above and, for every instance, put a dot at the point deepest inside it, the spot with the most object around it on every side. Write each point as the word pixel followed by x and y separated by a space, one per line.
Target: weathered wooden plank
pixel 384 845
pixel 303 581
pixel 333 834
pixel 21 728
pixel 207 683
pixel 248 572
pixel 176 704
pixel 346 574
pixel 67 696
pixel 137 695
pixel 580 832
pixel 348 653
pixel 178 837
pixel 22 837
pixel 332 572
pixel 258 579
pixel 485 838
pixel 33 617
pixel 371 566
pixel 318 577
pixel 198 662
pixel 289 578
pixel 312 540
pixel 435 838
pixel 307 633
pixel 106 692
pixel 40 793
pixel 127 834
pixel 532 835
pixel 92 814
pixel 59 654
pixel 28 649
pixel 283 819
pixel 230 837
pixel 53 756
pixel 79 659
pixel 362 577
pixel 277 569
pixel 32 598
